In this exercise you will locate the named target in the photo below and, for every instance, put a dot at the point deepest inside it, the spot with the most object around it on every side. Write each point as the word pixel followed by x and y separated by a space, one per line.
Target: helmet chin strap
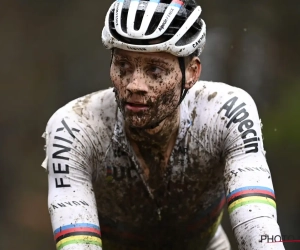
pixel 183 90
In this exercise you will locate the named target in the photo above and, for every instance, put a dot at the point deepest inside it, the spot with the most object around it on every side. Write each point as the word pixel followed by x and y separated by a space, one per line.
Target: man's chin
pixel 139 122
pixel 134 123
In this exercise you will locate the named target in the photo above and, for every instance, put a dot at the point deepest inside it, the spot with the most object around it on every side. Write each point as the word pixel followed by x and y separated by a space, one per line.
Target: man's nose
pixel 137 84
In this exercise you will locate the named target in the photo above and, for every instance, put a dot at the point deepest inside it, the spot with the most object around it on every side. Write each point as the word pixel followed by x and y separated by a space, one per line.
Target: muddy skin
pixel 153 147
pixel 146 79
pixel 155 81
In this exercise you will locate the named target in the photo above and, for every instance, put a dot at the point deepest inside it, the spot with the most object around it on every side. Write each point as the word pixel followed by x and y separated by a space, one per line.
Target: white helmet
pixel 155 26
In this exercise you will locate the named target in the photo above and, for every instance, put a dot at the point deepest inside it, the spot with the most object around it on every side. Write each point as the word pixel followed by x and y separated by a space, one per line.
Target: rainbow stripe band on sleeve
pixel 80 233
pixel 250 194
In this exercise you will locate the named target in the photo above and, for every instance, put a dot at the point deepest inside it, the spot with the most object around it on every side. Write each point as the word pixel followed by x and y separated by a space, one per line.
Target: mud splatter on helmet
pixel 155 26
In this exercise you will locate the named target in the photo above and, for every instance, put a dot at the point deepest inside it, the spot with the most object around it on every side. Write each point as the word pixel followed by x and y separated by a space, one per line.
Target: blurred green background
pixel 51 53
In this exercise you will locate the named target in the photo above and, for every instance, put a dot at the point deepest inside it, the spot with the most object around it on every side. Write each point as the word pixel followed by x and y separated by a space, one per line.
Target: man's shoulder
pixel 95 108
pixel 206 94
pixel 215 104
pixel 221 112
pixel 209 90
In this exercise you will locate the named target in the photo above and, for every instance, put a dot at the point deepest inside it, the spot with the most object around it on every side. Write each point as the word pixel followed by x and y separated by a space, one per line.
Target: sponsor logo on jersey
pixel 60 143
pixel 247 169
pixel 238 114
pixel 68 204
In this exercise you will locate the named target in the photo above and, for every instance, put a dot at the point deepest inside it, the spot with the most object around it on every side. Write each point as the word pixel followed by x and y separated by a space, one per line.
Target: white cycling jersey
pixel 218 158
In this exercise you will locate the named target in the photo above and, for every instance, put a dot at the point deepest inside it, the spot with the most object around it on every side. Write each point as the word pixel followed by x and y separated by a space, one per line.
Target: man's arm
pixel 71 198
pixel 249 189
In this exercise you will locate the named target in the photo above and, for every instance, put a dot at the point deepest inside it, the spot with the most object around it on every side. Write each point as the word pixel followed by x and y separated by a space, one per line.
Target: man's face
pixel 148 85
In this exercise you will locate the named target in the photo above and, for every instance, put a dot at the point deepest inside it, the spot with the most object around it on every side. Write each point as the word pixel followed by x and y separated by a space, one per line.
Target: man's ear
pixel 192 72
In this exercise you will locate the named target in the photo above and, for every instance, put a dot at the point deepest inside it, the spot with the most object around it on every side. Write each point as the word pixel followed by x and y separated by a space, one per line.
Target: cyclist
pixel 150 163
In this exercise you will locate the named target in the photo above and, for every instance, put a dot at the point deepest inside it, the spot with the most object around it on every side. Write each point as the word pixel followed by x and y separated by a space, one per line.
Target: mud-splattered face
pixel 148 85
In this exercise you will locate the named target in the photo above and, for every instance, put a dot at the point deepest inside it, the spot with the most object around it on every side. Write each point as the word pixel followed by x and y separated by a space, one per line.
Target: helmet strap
pixel 111 56
pixel 182 68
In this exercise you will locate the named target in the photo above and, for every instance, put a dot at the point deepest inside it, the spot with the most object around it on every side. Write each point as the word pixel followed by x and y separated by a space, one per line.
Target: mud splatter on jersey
pixel 94 178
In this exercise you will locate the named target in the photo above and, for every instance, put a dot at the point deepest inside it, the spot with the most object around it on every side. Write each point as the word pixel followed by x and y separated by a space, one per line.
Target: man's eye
pixel 154 70
pixel 123 65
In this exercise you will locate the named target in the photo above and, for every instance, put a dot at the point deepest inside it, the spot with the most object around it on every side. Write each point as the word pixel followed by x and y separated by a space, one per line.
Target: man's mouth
pixel 135 106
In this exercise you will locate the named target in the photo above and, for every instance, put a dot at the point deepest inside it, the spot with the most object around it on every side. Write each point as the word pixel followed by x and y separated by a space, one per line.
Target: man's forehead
pixel 143 55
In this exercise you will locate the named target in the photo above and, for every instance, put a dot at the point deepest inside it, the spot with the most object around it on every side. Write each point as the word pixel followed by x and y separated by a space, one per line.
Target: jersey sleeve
pixel 248 184
pixel 71 200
